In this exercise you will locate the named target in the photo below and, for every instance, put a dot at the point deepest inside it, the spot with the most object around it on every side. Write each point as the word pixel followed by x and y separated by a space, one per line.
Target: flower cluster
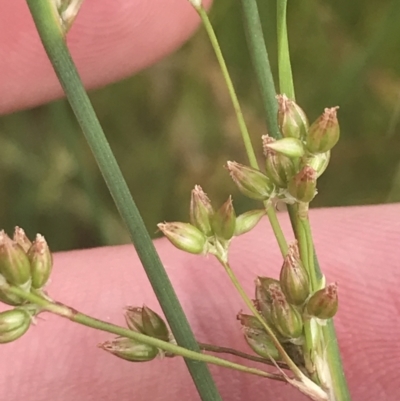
pixel 26 265
pixel 293 163
pixel 286 304
pixel 209 231
pixel 145 321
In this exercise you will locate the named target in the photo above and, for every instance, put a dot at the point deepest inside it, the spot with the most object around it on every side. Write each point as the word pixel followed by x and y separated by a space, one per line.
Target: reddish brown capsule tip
pixel 324 303
pixel 303 186
pixel 251 182
pixel 294 277
pixel 287 320
pixel 130 350
pixel 324 133
pixel 184 236
pixel 201 210
pixel 223 221
pixel 21 238
pixel 41 262
pixel 14 263
pixel 146 321
pixel 292 120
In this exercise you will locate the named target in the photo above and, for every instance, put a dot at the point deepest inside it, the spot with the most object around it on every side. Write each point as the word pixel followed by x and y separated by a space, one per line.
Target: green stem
pixel 85 320
pixel 242 124
pixel 285 357
pixel 324 342
pixel 277 229
pixel 47 23
pixel 328 340
pixel 238 111
pixel 261 65
pixel 285 69
pixel 314 270
pixel 231 351
pixel 259 55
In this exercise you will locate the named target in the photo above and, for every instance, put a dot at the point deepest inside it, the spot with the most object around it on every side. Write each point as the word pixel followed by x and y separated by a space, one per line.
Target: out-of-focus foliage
pixel 172 126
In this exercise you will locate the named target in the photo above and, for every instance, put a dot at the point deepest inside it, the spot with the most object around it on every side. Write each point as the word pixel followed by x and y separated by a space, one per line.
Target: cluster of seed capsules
pixel 293 163
pixel 24 265
pixel 292 166
pixel 285 305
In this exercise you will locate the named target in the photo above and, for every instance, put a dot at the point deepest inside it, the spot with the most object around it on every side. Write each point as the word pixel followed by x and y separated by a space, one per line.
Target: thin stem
pixel 238 111
pixel 231 351
pixel 262 68
pixel 333 356
pixel 242 124
pixel 85 320
pixel 285 357
pixel 285 69
pixel 277 229
pixel 324 342
pixel 261 65
pixel 315 271
pixel 47 23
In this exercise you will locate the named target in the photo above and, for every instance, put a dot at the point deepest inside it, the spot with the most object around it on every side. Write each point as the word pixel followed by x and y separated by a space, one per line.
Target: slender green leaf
pixel 262 68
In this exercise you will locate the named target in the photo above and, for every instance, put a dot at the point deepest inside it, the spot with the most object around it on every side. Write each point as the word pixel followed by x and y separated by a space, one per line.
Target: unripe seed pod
pixel 292 120
pixel 324 133
pixel 41 261
pixel 324 303
pixel 287 320
pixel 13 324
pixel 303 186
pixel 184 236
pixel 11 299
pixel 21 239
pixel 201 211
pixel 146 321
pixel 251 182
pixel 14 263
pixel 278 167
pixel 130 350
pixel 294 278
pixel 223 221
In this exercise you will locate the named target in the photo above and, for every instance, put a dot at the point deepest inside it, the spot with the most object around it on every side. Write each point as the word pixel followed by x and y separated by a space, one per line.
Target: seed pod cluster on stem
pixel 285 305
pixel 145 321
pixel 294 162
pixel 27 266
pixel 211 231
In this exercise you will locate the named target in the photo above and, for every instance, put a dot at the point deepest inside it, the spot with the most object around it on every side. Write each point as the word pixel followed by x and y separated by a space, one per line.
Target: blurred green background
pixel 172 126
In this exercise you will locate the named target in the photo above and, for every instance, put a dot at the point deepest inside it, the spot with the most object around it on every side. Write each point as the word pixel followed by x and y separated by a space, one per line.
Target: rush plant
pixel 288 324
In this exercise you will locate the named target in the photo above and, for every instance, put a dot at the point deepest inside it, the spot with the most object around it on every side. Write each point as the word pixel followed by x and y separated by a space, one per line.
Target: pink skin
pixel 358 247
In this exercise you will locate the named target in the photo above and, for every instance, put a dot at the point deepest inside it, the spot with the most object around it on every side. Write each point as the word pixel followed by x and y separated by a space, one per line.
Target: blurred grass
pixel 172 126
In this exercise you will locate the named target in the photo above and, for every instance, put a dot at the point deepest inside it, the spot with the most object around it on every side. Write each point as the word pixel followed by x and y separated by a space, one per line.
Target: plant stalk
pixel 88 321
pixel 285 357
pixel 301 228
pixel 242 124
pixel 260 60
pixel 49 27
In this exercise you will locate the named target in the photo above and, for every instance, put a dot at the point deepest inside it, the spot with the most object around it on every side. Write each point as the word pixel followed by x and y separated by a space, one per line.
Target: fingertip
pixel 109 40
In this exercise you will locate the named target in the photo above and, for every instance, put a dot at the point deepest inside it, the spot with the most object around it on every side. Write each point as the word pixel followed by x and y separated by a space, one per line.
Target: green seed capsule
pixel 41 261
pixel 130 350
pixel 14 263
pixel 324 303
pixel 13 324
pixel 251 182
pixel 184 236
pixel 146 321
pixel 324 133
